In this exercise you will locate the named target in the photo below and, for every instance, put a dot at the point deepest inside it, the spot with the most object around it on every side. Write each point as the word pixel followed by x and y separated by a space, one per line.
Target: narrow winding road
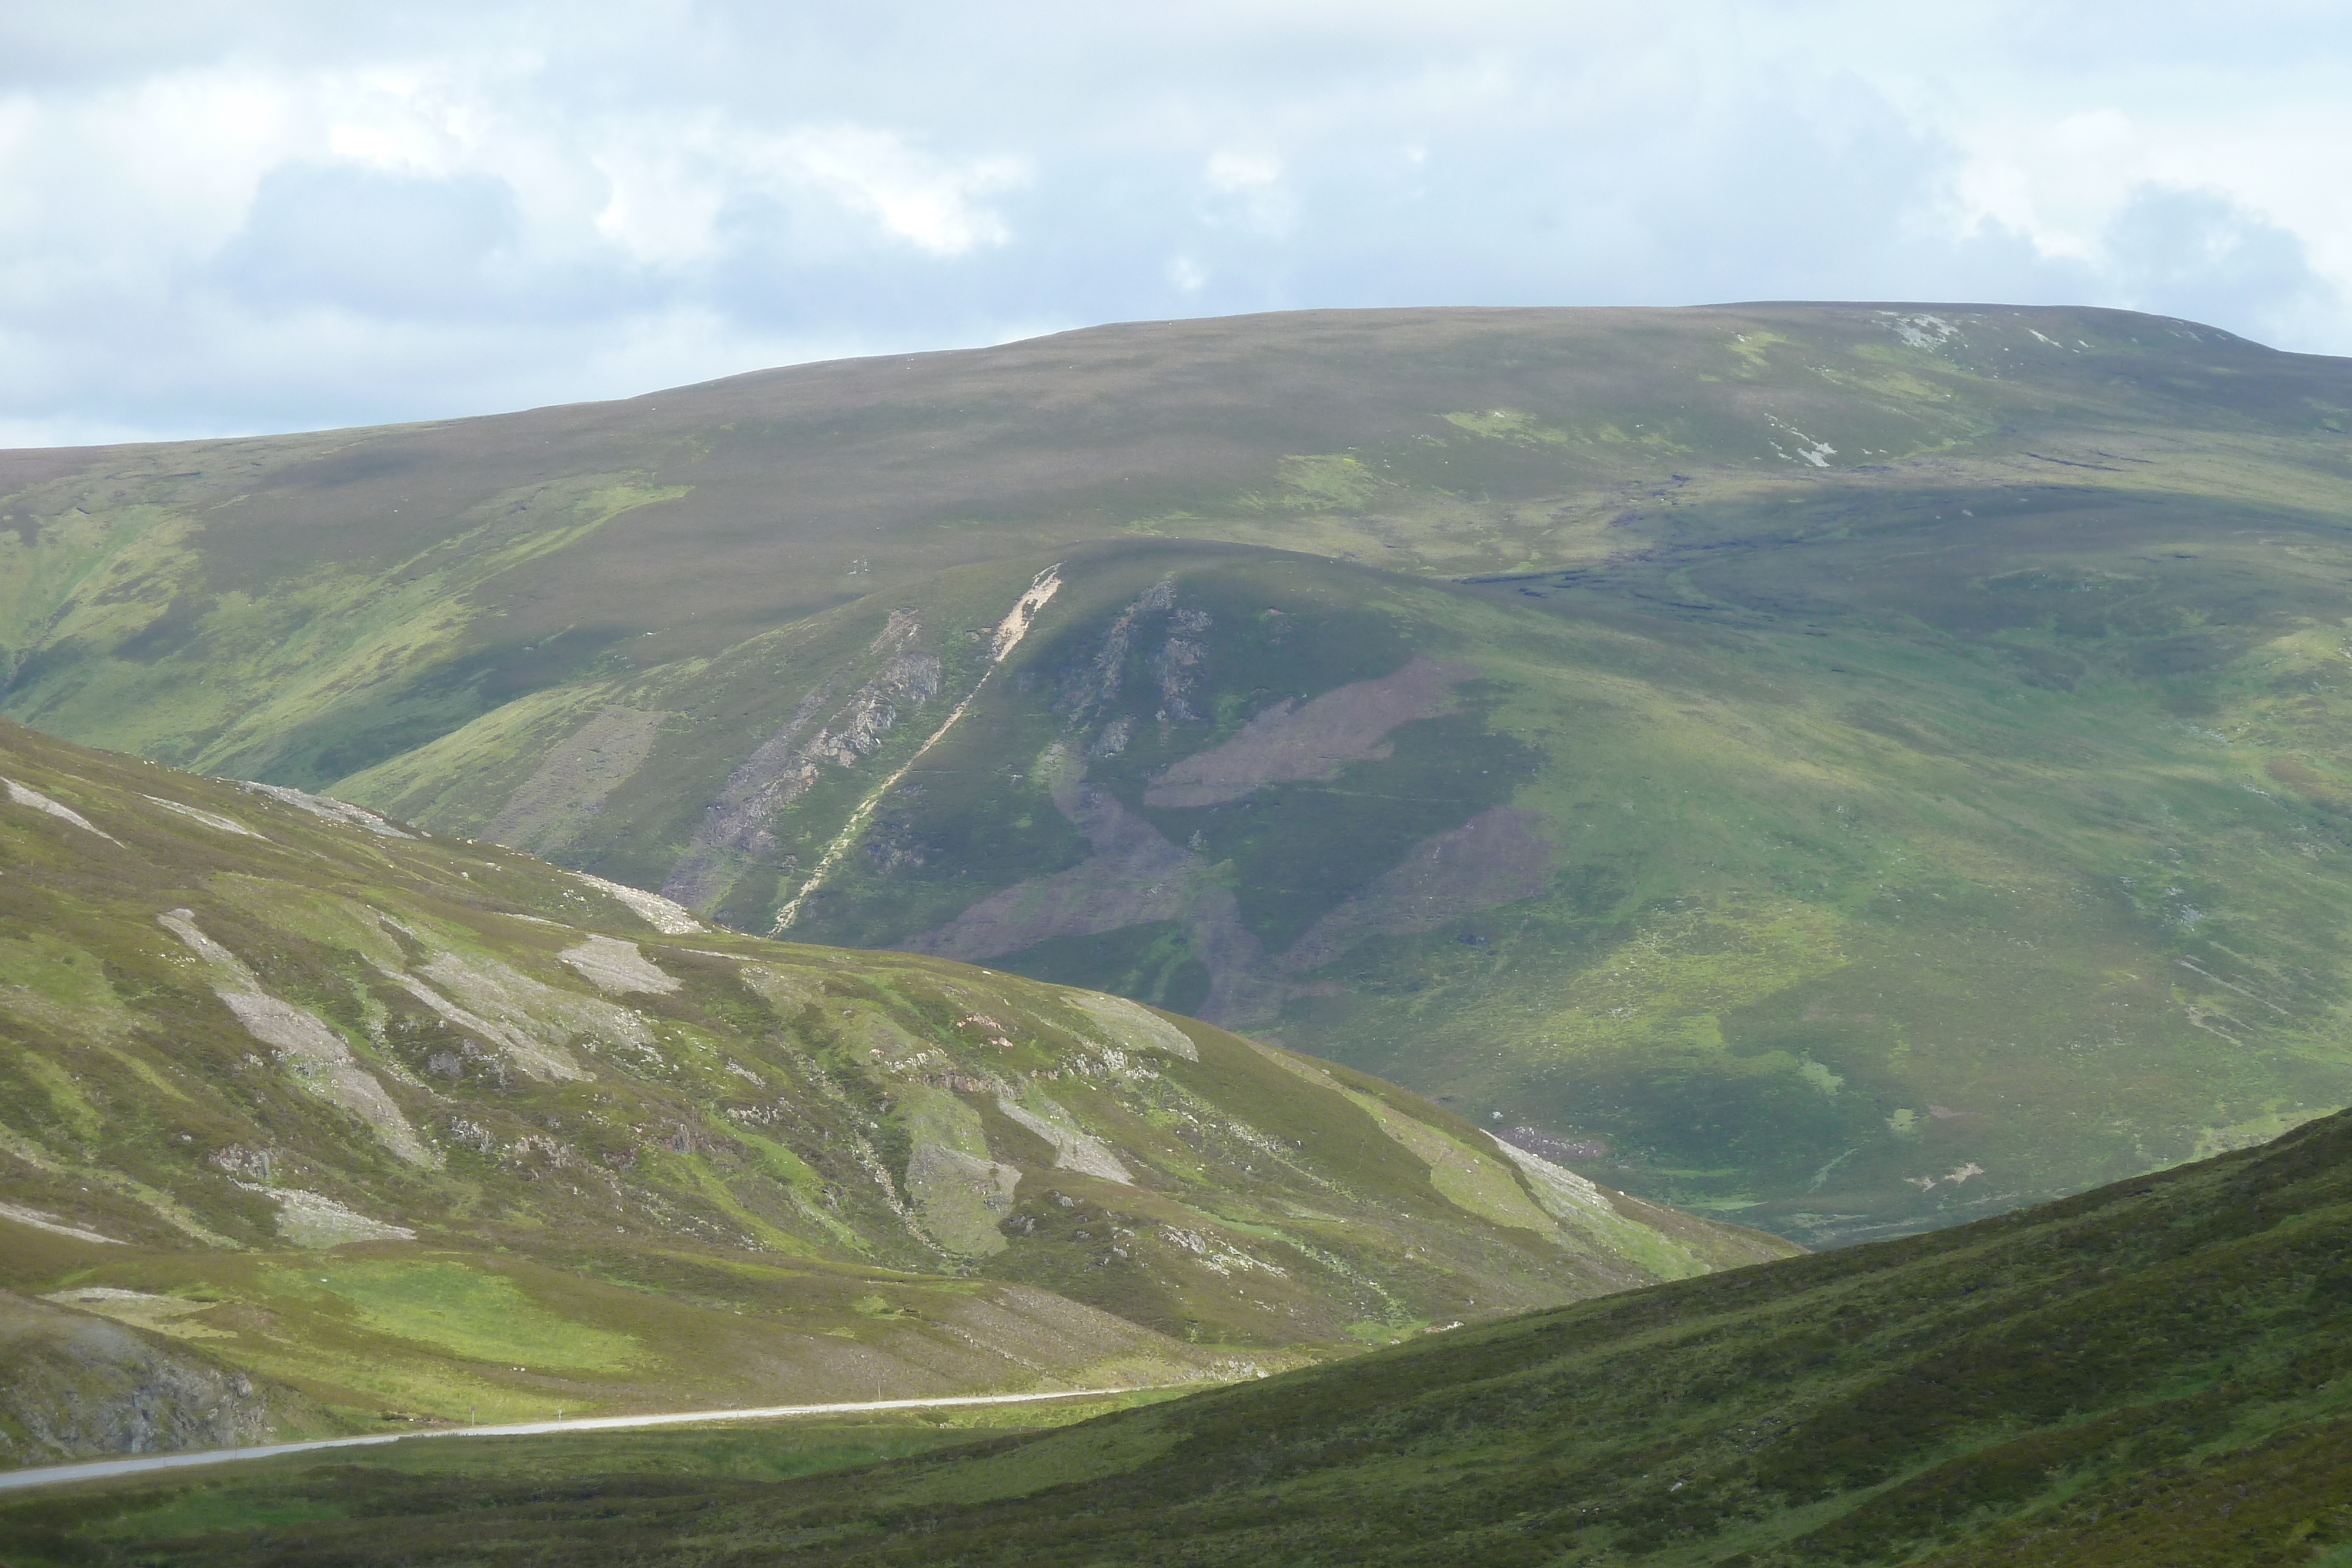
pixel 95 1469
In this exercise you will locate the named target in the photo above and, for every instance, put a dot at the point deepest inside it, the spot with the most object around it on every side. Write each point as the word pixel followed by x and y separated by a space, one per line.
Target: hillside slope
pixel 75 1384
pixel 417 1127
pixel 1852 768
pixel 2158 1374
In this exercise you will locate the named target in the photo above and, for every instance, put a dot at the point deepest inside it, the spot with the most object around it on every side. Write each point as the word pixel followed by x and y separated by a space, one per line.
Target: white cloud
pixel 1231 173
pixel 932 203
pixel 247 213
pixel 663 198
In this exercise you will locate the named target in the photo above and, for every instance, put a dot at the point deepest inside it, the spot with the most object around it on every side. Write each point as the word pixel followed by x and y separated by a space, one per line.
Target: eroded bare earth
pixel 1494 858
pixel 1313 740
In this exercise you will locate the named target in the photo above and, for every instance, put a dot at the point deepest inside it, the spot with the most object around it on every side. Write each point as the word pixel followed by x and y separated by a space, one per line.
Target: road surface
pixel 96 1469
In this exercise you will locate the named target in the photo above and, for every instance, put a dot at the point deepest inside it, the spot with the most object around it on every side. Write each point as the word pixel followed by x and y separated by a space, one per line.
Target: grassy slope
pixel 2153 1374
pixel 1931 716
pixel 244 1046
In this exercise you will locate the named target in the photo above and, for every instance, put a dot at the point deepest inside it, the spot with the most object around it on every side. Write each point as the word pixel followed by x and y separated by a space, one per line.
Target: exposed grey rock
pixel 735 827
pixel 74 1386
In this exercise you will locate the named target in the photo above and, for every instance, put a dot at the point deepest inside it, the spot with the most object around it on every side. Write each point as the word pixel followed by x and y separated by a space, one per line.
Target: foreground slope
pixel 1855 768
pixel 2156 1374
pixel 415 1126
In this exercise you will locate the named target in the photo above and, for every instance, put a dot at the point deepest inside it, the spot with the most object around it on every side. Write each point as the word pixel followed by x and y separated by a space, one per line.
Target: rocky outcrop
pixel 735 827
pixel 1091 684
pixel 74 1386
pixel 307 1048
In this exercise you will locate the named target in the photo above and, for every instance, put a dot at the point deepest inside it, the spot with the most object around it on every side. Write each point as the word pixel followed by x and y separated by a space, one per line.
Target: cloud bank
pixel 234 216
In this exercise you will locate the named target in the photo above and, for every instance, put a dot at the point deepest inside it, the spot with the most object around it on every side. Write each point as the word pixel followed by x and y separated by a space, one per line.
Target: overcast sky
pixel 239 215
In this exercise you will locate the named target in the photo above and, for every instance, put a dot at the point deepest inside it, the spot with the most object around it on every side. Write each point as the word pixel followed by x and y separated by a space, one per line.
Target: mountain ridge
pixel 1884 720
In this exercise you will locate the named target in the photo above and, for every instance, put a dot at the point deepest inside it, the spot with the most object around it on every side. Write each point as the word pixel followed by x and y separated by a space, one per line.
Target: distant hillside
pixel 414 1127
pixel 2155 1375
pixel 1852 768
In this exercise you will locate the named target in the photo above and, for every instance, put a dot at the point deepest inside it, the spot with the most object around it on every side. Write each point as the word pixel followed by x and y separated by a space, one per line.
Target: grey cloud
pixel 371 241
pixel 424 209
pixel 2198 255
pixel 107 42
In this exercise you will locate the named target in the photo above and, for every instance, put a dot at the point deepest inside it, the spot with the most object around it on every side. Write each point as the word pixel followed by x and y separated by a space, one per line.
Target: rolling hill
pixel 310 1119
pixel 2156 1375
pixel 1850 767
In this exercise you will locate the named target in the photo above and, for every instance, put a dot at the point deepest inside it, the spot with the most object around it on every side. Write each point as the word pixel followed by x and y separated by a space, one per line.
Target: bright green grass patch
pixel 66 1097
pixel 1329 481
pixel 1509 424
pixel 1474 1181
pixel 62 974
pixel 462 1310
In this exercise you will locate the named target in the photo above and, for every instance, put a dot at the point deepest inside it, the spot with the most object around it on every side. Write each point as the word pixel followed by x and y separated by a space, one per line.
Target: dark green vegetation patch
pixel 2156 1374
